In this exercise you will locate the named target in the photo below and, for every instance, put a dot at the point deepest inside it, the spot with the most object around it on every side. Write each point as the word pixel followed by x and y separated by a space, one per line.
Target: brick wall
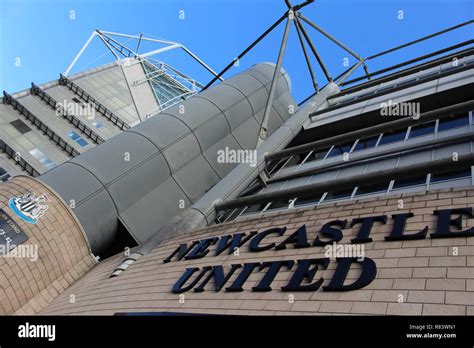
pixel 413 277
pixel 27 286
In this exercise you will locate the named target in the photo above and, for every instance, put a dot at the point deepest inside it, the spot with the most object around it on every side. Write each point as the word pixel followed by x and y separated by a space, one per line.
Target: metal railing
pixel 103 110
pixel 9 100
pixel 18 159
pixel 72 119
pixel 396 87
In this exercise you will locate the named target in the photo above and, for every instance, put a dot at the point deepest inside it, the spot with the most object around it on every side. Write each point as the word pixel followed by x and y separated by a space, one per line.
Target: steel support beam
pixel 336 41
pixel 80 53
pixel 262 135
pixel 244 52
pixel 414 60
pixel 139 42
pixel 111 49
pixel 341 78
pixel 329 36
pixel 308 62
pixel 196 58
pixel 313 49
pixel 108 39
pixel 421 39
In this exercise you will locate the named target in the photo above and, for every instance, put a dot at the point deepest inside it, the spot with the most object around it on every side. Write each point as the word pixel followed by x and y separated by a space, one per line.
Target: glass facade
pixel 451 176
pixel 167 90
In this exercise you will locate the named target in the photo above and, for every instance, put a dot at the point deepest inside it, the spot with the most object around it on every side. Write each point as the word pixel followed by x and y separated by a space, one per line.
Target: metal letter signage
pixel 305 272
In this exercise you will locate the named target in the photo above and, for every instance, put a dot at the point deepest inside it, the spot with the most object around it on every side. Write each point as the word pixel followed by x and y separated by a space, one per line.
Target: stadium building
pixel 144 191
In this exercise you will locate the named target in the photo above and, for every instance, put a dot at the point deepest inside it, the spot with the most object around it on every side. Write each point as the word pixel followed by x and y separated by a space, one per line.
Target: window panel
pixel 451 175
pixel 422 129
pixel 453 122
pixel 372 188
pixel 340 149
pixel 392 137
pixel 338 194
pixel 78 139
pixel 366 143
pixel 408 182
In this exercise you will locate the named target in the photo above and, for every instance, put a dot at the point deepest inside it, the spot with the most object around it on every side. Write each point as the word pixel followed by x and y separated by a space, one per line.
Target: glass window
pixel 301 157
pixel 272 165
pixel 255 208
pixel 223 215
pixel 275 166
pixel 340 149
pixel 82 142
pixel 392 137
pixel 78 139
pixel 4 176
pixel 317 155
pixel 45 161
pixel 371 188
pixel 366 143
pixel 422 129
pixel 308 200
pixel 280 204
pixel 408 182
pixel 338 194
pixel 73 135
pixel 451 175
pixel 453 122
pixel 97 124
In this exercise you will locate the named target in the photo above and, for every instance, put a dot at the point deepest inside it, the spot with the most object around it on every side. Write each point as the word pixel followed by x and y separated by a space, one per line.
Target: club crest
pixel 29 207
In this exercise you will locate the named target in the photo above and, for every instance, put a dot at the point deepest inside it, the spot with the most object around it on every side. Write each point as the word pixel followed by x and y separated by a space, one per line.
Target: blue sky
pixel 44 37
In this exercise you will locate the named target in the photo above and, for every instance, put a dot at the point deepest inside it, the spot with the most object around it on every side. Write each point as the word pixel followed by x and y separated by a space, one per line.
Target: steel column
pixel 276 74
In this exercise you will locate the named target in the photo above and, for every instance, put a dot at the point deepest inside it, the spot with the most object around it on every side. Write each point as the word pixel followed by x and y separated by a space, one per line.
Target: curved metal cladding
pixel 150 173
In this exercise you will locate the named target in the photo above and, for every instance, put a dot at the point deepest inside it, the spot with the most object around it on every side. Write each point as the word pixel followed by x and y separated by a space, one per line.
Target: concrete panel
pixel 163 129
pixel 194 111
pixel 247 133
pixel 151 212
pixel 61 93
pixel 142 93
pixel 235 106
pixel 212 156
pixel 94 207
pixel 212 131
pixel 182 152
pixel 196 177
pixel 120 156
